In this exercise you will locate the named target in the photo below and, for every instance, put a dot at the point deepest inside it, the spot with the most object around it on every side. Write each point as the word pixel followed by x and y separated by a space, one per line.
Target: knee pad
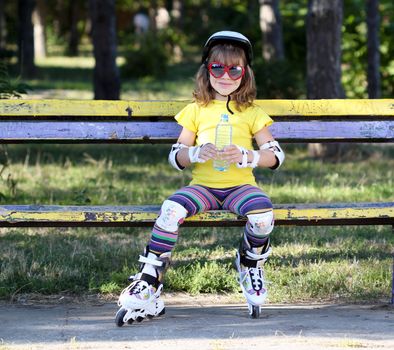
pixel 261 224
pixel 171 216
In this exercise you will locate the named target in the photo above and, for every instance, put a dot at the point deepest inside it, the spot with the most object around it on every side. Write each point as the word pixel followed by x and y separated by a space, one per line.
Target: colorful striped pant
pixel 241 200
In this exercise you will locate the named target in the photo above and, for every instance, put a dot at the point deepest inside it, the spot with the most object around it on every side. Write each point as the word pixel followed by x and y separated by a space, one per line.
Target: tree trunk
pixel 177 14
pixel 39 30
pixel 324 22
pixel 271 27
pixel 106 73
pixel 26 38
pixel 73 36
pixel 152 13
pixel 373 75
pixel 3 27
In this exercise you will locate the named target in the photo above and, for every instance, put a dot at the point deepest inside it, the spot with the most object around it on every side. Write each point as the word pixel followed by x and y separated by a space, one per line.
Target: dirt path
pixel 196 323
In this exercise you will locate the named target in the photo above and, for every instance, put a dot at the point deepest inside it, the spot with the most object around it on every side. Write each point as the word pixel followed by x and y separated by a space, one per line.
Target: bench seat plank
pixel 124 109
pixel 285 214
pixel 154 132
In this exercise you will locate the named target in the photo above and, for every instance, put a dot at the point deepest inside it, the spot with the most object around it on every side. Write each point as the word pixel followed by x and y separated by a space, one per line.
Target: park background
pixel 351 264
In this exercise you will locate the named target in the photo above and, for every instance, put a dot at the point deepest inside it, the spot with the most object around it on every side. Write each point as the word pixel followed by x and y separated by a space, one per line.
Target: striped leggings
pixel 241 200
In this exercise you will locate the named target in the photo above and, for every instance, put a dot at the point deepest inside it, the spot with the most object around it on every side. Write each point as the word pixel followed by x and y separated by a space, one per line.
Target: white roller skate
pixel 141 299
pixel 249 263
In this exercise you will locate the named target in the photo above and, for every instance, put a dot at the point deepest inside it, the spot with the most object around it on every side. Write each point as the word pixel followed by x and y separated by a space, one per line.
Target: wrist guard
pixel 274 147
pixel 175 148
pixel 244 163
pixel 194 153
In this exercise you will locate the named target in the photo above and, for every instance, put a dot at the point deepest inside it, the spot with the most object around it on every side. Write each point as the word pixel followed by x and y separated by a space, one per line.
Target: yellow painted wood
pixel 317 214
pixel 338 107
pixel 294 214
pixel 275 108
pixel 86 108
pixel 63 216
pixel 75 216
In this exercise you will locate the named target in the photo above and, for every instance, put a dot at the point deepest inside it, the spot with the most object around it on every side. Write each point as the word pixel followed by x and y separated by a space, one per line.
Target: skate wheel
pixel 254 311
pixel 139 319
pixel 162 312
pixel 149 317
pixel 119 317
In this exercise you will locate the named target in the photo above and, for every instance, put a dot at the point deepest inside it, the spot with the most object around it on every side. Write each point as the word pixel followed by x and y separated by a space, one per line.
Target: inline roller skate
pixel 141 299
pixel 249 263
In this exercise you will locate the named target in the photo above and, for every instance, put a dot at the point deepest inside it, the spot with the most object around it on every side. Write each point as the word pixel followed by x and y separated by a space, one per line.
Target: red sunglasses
pixel 218 69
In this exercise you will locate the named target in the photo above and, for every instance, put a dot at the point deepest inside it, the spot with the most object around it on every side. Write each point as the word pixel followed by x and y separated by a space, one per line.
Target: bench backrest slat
pixel 155 132
pixel 308 109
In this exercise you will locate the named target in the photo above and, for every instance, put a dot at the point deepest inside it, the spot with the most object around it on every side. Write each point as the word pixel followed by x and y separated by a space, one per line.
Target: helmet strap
pixel 228 101
pixel 228 104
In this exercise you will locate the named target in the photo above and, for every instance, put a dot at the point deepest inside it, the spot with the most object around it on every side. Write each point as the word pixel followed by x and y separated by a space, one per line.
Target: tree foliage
pixel 10 88
pixel 200 18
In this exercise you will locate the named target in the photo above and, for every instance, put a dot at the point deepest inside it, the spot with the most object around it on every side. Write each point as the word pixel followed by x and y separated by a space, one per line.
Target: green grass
pixel 72 78
pixel 347 263
pixel 308 263
pixel 104 174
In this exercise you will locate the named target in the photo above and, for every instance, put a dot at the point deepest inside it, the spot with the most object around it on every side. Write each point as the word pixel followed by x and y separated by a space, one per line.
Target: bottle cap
pixel 224 118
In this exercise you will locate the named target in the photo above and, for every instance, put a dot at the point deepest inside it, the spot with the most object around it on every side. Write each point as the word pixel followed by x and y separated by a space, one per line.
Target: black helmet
pixel 226 36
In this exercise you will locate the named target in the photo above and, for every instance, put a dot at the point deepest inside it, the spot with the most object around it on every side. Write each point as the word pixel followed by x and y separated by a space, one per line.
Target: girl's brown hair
pixel 227 54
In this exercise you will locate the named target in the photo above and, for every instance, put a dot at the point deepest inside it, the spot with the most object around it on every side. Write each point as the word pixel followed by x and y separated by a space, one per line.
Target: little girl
pixel 224 85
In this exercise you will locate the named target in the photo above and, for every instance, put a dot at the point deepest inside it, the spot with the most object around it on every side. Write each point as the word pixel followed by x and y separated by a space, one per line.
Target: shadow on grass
pixel 294 260
pixel 59 78
pixel 310 244
pixel 57 260
pixel 81 78
pixel 59 154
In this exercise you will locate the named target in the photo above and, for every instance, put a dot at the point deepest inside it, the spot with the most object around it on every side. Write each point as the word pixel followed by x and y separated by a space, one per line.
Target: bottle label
pixel 223 138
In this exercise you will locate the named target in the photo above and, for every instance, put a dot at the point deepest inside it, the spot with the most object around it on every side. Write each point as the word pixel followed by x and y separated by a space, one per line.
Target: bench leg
pixel 392 282
pixel 392 285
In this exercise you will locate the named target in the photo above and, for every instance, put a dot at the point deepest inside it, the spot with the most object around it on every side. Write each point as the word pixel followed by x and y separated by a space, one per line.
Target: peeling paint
pixel 275 108
pixel 147 214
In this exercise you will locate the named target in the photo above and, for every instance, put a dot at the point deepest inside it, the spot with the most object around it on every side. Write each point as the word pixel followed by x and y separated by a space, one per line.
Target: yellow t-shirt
pixel 203 120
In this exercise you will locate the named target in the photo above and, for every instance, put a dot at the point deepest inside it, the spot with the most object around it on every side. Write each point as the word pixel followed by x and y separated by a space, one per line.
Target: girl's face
pixel 224 86
pixel 230 56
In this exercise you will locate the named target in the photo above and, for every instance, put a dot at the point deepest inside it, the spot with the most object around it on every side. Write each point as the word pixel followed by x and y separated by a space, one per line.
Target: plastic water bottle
pixel 223 138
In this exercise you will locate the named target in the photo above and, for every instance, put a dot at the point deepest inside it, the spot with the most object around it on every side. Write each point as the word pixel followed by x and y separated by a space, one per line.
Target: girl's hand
pixel 208 151
pixel 231 153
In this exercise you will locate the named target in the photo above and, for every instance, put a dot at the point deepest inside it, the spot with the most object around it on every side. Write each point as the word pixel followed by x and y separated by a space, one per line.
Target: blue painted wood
pixel 145 132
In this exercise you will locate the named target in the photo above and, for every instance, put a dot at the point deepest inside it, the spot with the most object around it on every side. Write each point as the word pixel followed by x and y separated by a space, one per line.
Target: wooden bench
pixel 296 121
